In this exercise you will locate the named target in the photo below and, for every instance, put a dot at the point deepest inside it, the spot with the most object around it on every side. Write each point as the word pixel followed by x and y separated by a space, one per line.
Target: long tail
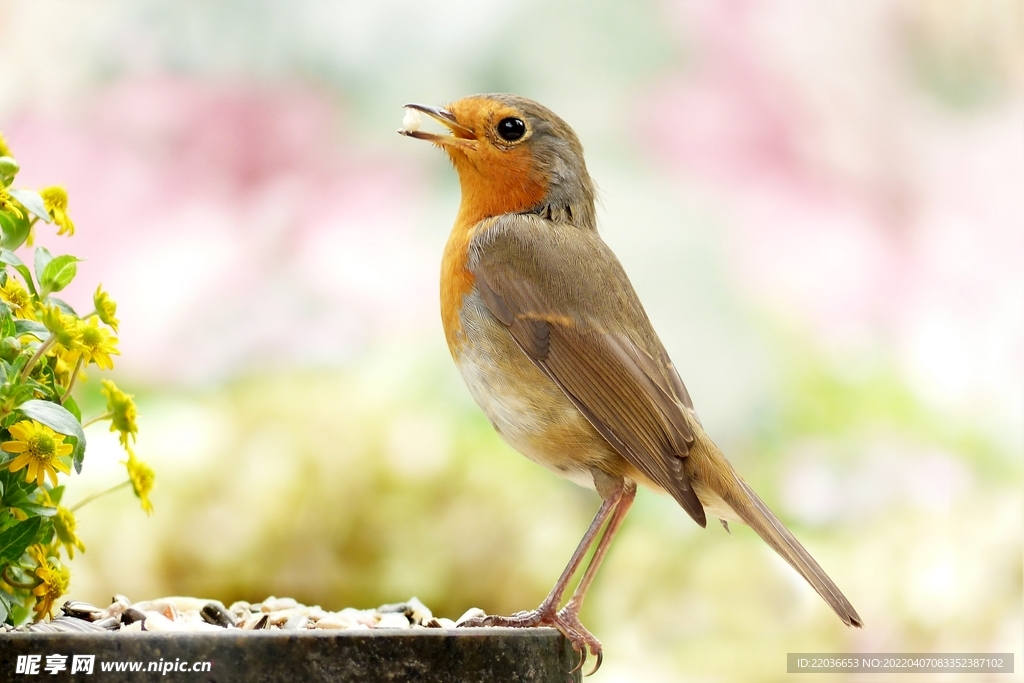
pixel 752 510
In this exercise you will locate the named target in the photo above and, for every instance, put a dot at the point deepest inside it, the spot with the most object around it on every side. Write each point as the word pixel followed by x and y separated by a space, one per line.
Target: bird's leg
pixel 618 498
pixel 545 614
pixel 568 616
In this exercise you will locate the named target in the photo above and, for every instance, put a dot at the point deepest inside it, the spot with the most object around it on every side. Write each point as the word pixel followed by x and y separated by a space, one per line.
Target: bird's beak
pixel 460 135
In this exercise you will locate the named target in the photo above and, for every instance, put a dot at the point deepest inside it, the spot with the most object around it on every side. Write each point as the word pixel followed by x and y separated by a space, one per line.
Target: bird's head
pixel 512 155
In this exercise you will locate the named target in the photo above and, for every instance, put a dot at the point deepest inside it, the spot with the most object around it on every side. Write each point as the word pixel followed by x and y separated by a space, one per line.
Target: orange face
pixel 513 156
pixel 489 144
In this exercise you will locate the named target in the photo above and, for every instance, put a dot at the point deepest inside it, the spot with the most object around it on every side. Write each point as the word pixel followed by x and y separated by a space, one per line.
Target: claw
pixel 566 621
pixel 583 659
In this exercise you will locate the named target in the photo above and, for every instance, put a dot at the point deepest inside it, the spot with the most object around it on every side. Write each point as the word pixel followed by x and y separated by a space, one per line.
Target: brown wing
pixel 568 304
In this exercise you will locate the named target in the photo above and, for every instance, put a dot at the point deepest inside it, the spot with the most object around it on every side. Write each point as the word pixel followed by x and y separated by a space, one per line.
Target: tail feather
pixel 757 516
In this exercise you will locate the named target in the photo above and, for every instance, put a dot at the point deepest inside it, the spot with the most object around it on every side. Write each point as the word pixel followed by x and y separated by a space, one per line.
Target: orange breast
pixel 456 283
pixel 493 183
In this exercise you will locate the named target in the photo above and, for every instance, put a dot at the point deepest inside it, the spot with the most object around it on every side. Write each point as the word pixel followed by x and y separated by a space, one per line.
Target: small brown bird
pixel 555 347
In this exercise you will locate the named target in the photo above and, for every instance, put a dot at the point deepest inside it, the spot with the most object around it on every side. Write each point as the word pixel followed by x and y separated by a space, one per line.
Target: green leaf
pixel 5 610
pixel 37 330
pixel 31 200
pixel 73 408
pixel 19 613
pixel 48 381
pixel 16 230
pixel 7 328
pixel 56 493
pixel 14 540
pixel 36 509
pixel 15 486
pixel 15 369
pixel 78 455
pixel 58 273
pixel 48 532
pixel 6 476
pixel 19 494
pixel 10 258
pixel 60 420
pixel 42 259
pixel 7 222
pixel 64 306
pixel 26 391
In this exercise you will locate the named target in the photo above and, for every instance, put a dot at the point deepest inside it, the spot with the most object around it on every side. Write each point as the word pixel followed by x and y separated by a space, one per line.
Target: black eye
pixel 511 129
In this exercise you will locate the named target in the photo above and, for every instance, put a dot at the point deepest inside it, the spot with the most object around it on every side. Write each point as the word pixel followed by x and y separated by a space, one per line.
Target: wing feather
pixel 629 393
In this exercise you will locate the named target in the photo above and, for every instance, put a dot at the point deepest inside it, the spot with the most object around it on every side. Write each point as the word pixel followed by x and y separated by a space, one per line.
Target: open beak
pixel 460 135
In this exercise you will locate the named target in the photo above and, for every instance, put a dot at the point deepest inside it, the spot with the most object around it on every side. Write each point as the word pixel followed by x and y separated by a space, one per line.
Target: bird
pixel 555 347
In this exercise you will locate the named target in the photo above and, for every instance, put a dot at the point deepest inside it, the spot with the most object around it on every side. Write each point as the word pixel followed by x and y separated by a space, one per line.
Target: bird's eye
pixel 511 129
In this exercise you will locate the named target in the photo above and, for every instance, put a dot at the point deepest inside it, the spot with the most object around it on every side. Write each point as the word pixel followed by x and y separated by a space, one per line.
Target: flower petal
pixel 21 430
pixel 19 462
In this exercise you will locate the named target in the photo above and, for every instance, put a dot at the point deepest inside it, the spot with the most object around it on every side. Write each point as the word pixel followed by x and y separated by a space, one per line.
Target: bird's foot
pixel 583 641
pixel 566 621
pixel 528 619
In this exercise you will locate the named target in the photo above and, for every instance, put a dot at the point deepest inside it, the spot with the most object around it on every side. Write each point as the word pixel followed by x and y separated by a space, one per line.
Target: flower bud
pixel 10 348
pixel 8 167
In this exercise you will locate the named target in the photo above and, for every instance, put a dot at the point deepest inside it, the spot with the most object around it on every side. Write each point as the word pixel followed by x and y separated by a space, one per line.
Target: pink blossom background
pixel 239 224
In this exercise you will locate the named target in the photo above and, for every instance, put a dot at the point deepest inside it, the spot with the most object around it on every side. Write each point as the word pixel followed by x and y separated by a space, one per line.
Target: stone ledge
pixel 465 655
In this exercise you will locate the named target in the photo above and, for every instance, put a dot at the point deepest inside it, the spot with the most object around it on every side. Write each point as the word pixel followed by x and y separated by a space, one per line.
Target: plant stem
pixel 71 382
pixel 9 580
pixel 89 499
pixel 104 416
pixel 43 348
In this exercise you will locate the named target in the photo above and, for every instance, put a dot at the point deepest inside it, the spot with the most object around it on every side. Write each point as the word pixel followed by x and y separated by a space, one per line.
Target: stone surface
pixel 426 655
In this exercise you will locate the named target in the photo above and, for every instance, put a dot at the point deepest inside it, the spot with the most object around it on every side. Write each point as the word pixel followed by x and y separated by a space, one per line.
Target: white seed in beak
pixel 412 120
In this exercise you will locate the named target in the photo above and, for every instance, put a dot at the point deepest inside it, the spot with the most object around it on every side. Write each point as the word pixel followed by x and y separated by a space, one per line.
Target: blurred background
pixel 820 205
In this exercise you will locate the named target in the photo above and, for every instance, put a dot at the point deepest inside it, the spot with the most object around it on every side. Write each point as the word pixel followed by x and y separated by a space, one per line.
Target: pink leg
pixel 554 598
pixel 624 502
pixel 569 615
pixel 615 507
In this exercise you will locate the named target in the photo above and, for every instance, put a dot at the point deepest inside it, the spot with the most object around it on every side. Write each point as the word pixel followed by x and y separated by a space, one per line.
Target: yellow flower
pixel 37 552
pixel 61 365
pixel 105 307
pixel 55 200
pixel 39 448
pixel 5 151
pixel 7 203
pixel 64 363
pixel 142 477
pixel 18 298
pixel 65 525
pixel 66 329
pixel 97 344
pixel 53 582
pixel 122 411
